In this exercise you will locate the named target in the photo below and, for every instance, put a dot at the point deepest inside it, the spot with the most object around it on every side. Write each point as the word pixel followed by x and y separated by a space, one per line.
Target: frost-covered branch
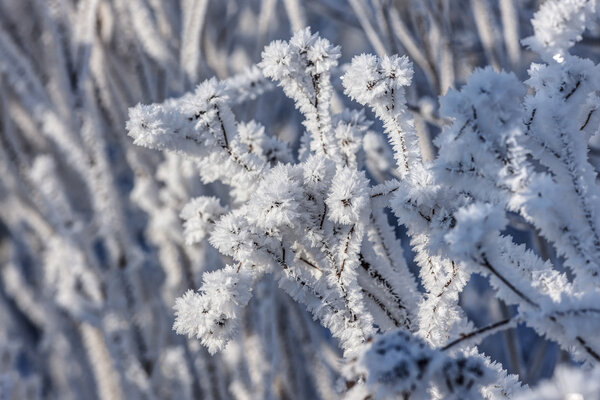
pixel 320 226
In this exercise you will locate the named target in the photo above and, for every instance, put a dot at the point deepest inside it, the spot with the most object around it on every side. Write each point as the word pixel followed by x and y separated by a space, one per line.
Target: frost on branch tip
pixel 371 79
pixel 279 201
pixel 306 54
pixel 232 236
pixel 318 173
pixel 348 197
pixel 213 314
pixel 303 67
pixel 199 217
pixel 172 125
pixel 558 25
pixel 202 127
pixel 379 82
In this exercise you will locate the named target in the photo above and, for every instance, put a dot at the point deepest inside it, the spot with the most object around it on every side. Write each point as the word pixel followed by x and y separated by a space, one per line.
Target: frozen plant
pixel 100 239
pixel 311 223
pixel 316 221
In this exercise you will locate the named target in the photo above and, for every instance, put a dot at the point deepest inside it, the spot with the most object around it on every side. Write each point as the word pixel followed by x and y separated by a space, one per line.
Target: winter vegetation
pixel 316 199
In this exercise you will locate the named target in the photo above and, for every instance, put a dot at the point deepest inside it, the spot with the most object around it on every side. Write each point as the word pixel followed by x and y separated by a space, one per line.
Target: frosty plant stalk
pixel 316 220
